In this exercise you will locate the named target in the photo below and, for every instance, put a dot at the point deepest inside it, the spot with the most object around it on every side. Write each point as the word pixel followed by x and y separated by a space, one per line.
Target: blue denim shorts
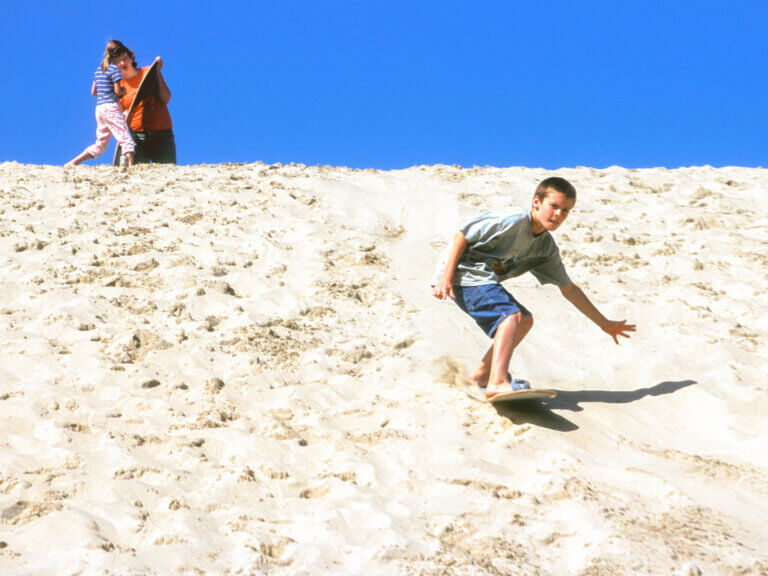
pixel 489 305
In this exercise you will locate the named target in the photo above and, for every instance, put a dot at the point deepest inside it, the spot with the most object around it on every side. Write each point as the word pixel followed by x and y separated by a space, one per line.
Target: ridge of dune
pixel 240 369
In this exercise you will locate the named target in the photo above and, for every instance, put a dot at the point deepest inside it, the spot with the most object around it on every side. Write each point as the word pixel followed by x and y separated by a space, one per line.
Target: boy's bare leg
pixel 503 346
pixel 483 371
pixel 508 335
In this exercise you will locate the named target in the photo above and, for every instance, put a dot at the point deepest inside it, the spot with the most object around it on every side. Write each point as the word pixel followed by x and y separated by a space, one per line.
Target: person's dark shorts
pixel 489 305
pixel 158 146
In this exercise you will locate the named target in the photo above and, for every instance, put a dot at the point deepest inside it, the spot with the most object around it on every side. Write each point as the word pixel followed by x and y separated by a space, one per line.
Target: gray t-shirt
pixel 501 246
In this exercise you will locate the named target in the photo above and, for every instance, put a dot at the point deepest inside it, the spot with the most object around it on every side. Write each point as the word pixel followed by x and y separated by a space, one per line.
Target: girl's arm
pixel 444 288
pixel 125 101
pixel 93 89
pixel 119 90
pixel 163 92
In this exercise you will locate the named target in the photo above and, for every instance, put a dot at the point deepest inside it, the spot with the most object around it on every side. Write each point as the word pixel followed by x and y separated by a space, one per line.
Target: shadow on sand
pixel 539 412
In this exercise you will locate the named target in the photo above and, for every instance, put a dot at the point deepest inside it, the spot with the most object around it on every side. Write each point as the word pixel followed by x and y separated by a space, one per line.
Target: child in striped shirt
pixel 109 117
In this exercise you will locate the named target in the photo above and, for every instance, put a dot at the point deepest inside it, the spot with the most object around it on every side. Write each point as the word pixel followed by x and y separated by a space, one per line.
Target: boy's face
pixel 553 210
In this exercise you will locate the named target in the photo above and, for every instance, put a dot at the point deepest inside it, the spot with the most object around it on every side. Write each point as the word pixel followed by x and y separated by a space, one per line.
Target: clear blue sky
pixel 399 83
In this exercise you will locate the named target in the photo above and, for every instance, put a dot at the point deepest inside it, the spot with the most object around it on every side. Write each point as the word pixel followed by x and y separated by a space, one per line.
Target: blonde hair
pixel 112 52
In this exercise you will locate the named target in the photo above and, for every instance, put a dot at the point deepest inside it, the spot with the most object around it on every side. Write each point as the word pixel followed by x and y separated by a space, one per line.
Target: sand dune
pixel 240 369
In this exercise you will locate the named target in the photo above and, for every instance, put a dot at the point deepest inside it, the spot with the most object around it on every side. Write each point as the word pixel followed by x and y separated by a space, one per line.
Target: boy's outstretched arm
pixel 444 288
pixel 614 328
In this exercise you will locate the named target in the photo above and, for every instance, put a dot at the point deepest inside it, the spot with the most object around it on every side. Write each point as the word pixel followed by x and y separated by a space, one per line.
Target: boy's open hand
pixel 616 328
pixel 443 290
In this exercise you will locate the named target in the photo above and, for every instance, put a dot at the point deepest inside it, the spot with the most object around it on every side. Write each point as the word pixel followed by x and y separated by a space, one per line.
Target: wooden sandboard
pixel 531 394
pixel 147 88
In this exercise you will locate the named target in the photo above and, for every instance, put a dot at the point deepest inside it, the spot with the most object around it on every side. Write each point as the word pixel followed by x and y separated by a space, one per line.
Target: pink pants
pixel 109 120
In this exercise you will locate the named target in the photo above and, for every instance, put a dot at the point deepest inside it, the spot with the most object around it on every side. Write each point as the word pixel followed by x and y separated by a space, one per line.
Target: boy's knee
pixel 526 322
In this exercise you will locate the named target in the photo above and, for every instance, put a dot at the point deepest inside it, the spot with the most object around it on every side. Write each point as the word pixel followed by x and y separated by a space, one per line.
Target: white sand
pixel 240 369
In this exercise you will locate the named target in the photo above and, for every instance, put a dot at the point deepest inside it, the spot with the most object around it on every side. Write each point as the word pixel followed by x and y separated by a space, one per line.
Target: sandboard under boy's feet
pixel 516 389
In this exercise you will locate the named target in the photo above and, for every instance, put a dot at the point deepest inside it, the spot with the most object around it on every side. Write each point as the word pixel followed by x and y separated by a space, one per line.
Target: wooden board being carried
pixel 147 88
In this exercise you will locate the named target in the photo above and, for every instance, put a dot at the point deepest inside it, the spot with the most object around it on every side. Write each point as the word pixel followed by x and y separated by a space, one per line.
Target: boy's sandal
pixel 515 384
pixel 519 384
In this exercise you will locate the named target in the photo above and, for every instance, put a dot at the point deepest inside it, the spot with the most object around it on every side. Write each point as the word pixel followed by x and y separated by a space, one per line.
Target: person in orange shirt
pixel 150 121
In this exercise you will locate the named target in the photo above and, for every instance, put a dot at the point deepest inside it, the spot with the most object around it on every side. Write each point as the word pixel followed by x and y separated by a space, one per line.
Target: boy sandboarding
pixel 492 248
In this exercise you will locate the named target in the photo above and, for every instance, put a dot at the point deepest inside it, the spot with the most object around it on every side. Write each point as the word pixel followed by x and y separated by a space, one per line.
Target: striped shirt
pixel 105 84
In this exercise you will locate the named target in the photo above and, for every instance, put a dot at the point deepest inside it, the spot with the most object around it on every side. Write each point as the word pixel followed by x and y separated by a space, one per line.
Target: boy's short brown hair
pixel 558 185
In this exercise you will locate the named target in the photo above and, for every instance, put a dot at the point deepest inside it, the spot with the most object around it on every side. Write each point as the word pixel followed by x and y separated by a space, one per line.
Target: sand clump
pixel 239 369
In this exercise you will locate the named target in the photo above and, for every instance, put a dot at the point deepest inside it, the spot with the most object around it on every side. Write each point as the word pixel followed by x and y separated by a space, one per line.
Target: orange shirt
pixel 150 114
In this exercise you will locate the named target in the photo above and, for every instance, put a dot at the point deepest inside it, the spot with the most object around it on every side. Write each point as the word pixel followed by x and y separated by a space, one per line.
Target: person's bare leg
pixel 129 155
pixel 523 327
pixel 78 159
pixel 508 335
pixel 483 371
pixel 503 346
